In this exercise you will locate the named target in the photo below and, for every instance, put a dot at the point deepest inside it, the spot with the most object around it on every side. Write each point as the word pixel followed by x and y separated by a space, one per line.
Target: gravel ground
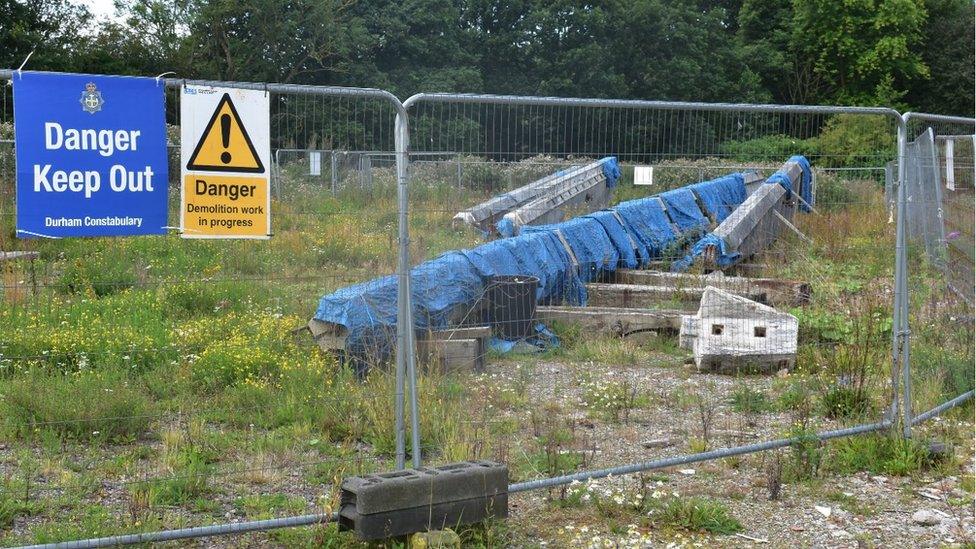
pixel 875 511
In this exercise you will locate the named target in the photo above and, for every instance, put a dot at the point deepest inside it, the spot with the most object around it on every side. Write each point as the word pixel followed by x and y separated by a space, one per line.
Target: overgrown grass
pixel 880 454
pixel 89 405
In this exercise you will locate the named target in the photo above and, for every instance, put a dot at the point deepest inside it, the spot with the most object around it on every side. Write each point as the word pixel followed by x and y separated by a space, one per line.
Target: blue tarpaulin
pixel 649 225
pixel 537 254
pixel 594 250
pixel 721 196
pixel 684 210
pixel 623 240
pixel 611 170
pixel 806 182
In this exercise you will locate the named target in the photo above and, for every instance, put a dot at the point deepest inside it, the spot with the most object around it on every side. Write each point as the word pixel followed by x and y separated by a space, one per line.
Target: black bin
pixel 511 305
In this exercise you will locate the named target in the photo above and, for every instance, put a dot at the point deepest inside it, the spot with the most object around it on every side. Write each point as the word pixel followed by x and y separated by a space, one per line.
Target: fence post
pixel 406 361
pixel 334 179
pixel 900 324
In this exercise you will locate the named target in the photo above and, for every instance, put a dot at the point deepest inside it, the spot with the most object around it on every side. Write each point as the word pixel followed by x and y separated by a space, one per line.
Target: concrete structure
pixel 732 334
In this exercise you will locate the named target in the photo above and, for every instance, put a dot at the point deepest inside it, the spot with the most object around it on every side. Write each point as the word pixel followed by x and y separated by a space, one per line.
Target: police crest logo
pixel 91 99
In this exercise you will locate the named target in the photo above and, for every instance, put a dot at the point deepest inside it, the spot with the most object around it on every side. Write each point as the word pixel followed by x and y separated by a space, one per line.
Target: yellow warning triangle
pixel 225 145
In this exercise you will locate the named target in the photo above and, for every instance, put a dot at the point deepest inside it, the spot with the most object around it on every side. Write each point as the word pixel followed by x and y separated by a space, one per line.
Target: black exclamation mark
pixel 225 137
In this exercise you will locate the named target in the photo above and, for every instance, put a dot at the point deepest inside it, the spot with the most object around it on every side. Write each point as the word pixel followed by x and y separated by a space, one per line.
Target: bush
pixel 854 140
pixel 86 406
pixel 774 148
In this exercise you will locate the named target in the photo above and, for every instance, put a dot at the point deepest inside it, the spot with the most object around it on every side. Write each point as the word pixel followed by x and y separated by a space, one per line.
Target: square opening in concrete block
pixel 718 329
pixel 759 331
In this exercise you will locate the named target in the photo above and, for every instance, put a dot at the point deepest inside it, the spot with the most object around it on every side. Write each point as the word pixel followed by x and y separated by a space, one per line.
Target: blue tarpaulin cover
pixel 721 196
pixel 611 170
pixel 684 210
pixel 537 254
pixel 806 180
pixel 725 257
pixel 453 282
pixel 623 240
pixel 649 225
pixel 594 250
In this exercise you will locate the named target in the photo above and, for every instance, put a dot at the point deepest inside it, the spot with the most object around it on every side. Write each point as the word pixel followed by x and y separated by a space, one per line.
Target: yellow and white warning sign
pixel 225 154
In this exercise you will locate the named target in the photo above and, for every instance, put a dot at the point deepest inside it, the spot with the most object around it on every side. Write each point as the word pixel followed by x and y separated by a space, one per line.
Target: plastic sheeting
pixel 623 240
pixel 806 182
pixel 593 248
pixel 724 256
pixel 537 254
pixel 611 170
pixel 684 210
pixel 630 234
pixel 721 196
pixel 650 226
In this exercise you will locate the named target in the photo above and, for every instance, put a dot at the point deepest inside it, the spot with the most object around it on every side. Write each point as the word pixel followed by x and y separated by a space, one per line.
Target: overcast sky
pixel 100 8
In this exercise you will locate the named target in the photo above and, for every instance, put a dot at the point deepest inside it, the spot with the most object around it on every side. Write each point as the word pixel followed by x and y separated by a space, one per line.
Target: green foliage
pixel 750 401
pixel 806 454
pixel 697 515
pixel 949 366
pixel 265 506
pixel 839 402
pixel 103 405
pixel 102 273
pixel 610 399
pixel 888 454
pixel 191 481
pixel 853 140
pixel 771 148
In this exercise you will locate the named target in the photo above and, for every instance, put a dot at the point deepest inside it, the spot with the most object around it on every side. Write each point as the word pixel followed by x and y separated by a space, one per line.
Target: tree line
pixel 910 54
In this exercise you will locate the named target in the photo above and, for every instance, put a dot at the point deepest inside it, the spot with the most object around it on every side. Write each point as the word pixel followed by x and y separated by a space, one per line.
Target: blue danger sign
pixel 91 155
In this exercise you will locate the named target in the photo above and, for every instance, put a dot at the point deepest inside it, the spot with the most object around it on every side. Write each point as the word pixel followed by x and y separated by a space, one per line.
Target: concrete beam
pixel 779 292
pixel 651 297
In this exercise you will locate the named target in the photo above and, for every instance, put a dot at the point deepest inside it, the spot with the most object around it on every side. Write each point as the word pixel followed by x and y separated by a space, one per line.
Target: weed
pixel 706 405
pixel 611 399
pixel 750 401
pixel 796 394
pixel 881 454
pixel 190 482
pixel 697 515
pixel 806 454
pixel 839 402
pixel 265 506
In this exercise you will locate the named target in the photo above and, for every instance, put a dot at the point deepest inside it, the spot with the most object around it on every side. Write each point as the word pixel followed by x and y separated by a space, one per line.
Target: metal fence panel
pixel 849 262
pixel 939 259
pixel 182 360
